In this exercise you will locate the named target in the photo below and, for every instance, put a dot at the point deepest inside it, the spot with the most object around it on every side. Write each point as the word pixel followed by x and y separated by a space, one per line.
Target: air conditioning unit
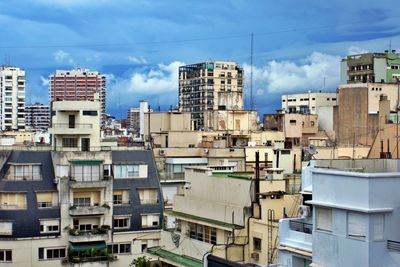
pixel 255 256
pixel 162 152
pixel 304 211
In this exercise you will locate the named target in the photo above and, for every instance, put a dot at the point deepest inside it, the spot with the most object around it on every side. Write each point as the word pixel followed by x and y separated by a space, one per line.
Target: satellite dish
pixel 311 149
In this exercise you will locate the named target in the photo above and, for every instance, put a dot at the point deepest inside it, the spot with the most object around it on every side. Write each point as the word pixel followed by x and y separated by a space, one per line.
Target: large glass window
pixel 5 255
pixel 51 253
pixel 24 172
pixel 126 171
pixel 86 173
pixel 202 233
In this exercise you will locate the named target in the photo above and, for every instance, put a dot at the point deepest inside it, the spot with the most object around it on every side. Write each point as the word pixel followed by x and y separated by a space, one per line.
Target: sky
pixel 139 44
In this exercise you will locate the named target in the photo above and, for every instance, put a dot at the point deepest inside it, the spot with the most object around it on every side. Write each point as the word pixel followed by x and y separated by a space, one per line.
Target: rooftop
pixel 234 175
pixel 176 258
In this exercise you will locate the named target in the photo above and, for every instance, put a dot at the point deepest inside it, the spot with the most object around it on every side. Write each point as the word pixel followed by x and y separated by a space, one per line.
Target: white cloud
pixel 60 55
pixel 160 81
pixel 354 50
pixel 137 60
pixel 308 74
pixel 63 57
pixel 45 81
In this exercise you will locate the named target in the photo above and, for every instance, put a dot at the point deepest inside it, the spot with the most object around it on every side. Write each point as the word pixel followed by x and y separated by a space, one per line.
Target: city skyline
pixel 141 46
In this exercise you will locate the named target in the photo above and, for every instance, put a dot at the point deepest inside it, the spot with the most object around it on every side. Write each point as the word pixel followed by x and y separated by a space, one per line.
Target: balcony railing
pixel 72 126
pixel 301 227
pixel 88 210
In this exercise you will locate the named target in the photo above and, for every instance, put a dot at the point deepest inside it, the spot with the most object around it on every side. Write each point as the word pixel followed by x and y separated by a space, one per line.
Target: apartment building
pixel 308 103
pixel 77 208
pixel 207 218
pixel 356 118
pixel 76 125
pixel 296 127
pixel 12 90
pixel 214 85
pixel 37 117
pixel 136 119
pixel 370 68
pixel 345 220
pixel 78 85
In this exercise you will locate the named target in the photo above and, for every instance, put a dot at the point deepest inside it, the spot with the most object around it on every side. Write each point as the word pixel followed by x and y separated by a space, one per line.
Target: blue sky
pixel 140 44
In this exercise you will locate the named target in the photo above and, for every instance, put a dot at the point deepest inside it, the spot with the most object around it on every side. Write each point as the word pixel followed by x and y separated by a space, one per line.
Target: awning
pixel 86 162
pixel 81 247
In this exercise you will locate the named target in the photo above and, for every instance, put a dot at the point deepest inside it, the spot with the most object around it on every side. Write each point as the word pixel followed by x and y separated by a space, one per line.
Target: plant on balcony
pixel 73 207
pixel 140 262
pixel 105 205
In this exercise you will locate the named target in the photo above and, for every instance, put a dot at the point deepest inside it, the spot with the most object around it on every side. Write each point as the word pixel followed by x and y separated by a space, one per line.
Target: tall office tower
pixel 12 95
pixel 133 122
pixel 78 85
pixel 210 86
pixel 37 116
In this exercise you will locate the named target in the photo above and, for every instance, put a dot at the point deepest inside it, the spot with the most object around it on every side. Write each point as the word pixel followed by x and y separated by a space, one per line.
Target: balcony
pixel 95 235
pixel 76 128
pixel 88 210
pixel 295 234
pixel 105 182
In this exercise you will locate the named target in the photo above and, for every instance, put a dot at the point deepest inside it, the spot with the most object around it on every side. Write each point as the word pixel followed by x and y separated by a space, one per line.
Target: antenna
pixel 390 45
pixel 251 72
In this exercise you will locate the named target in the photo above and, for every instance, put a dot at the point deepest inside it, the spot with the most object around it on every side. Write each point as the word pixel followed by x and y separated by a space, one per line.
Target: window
pixel 5 255
pixel 202 233
pixel 150 220
pixel 121 197
pixel 24 172
pixel 51 253
pixel 6 228
pixel 148 196
pixel 121 248
pixel 89 113
pixel 312 123
pixel 49 226
pixel 122 222
pixel 378 226
pixel 117 199
pixel 126 171
pixel 324 219
pixel 82 201
pixel 70 142
pixel 12 201
pixel 86 173
pixel 357 225
pixel 46 199
pixel 292 122
pixel 256 243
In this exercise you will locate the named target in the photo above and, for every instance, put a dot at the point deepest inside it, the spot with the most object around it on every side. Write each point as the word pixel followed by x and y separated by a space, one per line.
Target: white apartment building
pixel 349 216
pixel 37 116
pixel 12 93
pixel 308 102
pixel 317 103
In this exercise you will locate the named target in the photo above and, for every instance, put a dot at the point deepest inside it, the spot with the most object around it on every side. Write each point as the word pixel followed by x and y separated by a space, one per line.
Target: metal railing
pixel 301 227
pixel 393 245
pixel 72 126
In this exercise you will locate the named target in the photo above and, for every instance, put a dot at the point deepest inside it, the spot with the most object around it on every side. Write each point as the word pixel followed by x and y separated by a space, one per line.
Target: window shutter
pixel 378 226
pixel 357 226
pixel 324 219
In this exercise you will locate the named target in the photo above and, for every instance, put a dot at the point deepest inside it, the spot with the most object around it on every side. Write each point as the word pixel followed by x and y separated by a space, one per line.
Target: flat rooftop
pixel 359 165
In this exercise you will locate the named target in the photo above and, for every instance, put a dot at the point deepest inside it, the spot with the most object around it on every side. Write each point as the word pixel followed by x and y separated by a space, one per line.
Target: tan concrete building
pixel 356 117
pixel 215 85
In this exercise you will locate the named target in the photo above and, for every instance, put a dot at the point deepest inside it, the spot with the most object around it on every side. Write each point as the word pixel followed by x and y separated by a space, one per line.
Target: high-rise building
pixel 12 105
pixel 134 120
pixel 370 67
pixel 210 86
pixel 37 116
pixel 78 85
